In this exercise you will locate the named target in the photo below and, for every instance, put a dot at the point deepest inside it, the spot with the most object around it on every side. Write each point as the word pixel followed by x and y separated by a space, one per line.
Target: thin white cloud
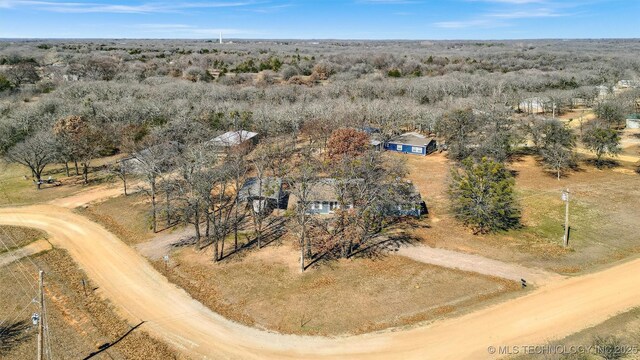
pixel 537 13
pixel 388 2
pixel 510 10
pixel 268 9
pixel 94 7
pixel 515 2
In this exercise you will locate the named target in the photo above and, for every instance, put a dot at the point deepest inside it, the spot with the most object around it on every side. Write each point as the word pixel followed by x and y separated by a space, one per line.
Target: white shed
pixel 633 123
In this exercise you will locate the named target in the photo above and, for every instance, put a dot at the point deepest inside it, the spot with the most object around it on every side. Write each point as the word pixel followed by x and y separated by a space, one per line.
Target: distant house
pixel 628 84
pixel 370 130
pixel 374 135
pixel 533 105
pixel 234 138
pixel 411 143
pixel 263 198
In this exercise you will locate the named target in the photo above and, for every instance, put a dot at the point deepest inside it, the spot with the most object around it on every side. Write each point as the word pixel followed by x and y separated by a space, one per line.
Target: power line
pixel 28 292
pixel 15 246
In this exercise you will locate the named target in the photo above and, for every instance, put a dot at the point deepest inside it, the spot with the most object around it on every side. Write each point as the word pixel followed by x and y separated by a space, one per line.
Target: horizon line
pixel 318 39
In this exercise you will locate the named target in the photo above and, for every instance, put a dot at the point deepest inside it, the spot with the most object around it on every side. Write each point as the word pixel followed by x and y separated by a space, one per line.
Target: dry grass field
pixel 79 324
pixel 265 289
pixel 15 189
pixel 126 216
pixel 14 237
pixel 604 216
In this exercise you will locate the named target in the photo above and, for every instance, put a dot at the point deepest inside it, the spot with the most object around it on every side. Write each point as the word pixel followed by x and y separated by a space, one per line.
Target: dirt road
pixel 477 264
pixel 141 293
pixel 99 193
pixel 625 158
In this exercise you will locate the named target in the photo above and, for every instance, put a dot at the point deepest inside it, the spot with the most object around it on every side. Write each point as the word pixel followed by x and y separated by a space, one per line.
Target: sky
pixel 321 19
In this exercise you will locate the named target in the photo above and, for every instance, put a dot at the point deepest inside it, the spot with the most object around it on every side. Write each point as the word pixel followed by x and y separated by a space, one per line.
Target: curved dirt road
pixel 141 293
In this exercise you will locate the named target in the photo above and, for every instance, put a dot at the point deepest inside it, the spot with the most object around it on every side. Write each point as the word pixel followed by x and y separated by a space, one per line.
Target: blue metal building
pixel 411 143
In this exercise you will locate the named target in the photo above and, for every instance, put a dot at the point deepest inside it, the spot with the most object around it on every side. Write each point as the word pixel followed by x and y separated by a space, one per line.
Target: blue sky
pixel 327 19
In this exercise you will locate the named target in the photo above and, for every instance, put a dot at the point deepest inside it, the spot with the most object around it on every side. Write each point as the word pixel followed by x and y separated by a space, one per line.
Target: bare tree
pixel 302 182
pixel 23 73
pixel 152 162
pixel 237 168
pixel 35 153
pixel 221 203
pixel 558 157
pixel 260 163
pixel 83 139
pixel 121 170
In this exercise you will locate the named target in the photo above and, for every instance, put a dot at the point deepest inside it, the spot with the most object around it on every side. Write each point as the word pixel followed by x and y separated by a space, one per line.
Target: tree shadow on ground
pixel 520 154
pixel 106 346
pixel 383 246
pixel 603 163
pixel 272 233
pixel 12 335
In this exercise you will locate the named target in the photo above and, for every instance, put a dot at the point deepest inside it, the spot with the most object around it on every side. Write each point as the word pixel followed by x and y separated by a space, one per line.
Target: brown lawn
pixel 264 288
pixel 14 237
pixel 129 217
pixel 78 324
pixel 604 215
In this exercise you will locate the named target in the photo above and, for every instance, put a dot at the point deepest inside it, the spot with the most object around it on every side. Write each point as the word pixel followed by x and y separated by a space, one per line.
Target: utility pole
pixel 41 317
pixel 565 197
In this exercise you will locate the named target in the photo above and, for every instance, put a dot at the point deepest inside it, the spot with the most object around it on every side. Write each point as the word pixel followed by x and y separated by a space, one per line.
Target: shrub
pixel 394 73
pixel 482 196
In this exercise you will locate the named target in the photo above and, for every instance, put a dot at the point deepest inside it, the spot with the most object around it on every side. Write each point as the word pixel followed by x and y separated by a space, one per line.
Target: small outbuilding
pixel 234 138
pixel 633 122
pixel 376 144
pixel 411 143
pixel 263 198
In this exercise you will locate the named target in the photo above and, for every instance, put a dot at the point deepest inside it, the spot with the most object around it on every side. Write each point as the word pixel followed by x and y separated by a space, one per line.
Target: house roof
pixel 270 188
pixel 324 190
pixel 411 138
pixel 371 130
pixel 233 138
pixel 404 192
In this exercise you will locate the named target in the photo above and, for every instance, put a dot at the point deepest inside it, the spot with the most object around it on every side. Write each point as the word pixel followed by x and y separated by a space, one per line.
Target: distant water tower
pixel 220 37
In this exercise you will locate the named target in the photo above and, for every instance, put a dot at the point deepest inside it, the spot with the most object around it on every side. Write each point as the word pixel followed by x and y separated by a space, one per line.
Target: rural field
pixel 166 196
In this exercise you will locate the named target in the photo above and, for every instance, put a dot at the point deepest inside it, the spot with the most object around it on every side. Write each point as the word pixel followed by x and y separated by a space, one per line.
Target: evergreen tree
pixel 482 196
pixel 602 142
